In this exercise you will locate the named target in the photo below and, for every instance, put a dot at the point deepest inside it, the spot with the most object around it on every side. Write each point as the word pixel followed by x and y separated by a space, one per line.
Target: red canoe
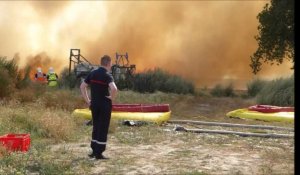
pixel 141 107
pixel 270 109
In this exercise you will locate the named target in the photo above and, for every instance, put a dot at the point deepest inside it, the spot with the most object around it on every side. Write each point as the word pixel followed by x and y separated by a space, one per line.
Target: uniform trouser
pixel 101 114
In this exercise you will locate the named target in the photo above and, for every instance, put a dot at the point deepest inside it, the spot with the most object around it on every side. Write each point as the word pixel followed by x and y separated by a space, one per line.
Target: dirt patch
pixel 235 155
pixel 161 150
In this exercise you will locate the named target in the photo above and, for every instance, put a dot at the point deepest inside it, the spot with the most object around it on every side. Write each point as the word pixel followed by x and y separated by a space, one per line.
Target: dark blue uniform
pixel 101 107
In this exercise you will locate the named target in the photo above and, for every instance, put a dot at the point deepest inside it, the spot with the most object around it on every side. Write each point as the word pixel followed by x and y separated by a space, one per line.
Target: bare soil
pixel 154 149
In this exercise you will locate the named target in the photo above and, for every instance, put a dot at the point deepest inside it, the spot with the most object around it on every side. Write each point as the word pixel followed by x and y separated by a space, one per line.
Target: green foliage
pixel 10 77
pixel 220 91
pixel 158 80
pixel 34 163
pixel 68 80
pixel 10 66
pixel 203 92
pixel 278 92
pixel 276 34
pixel 125 83
pixel 6 83
pixel 255 86
pixel 25 81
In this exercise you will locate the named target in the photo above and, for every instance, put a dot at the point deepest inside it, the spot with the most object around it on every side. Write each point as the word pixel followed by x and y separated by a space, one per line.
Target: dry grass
pixel 30 93
pixel 48 123
pixel 148 149
pixel 40 121
pixel 3 151
pixel 63 99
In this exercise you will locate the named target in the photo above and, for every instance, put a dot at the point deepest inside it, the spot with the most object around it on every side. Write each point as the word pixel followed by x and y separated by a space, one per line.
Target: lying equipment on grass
pixel 245 134
pixel 15 142
pixel 230 125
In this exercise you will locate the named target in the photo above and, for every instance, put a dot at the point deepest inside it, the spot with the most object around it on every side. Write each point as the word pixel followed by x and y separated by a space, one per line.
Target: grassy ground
pixel 60 142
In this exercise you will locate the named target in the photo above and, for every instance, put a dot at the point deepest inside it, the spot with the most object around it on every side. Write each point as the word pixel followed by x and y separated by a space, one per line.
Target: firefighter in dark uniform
pixel 103 92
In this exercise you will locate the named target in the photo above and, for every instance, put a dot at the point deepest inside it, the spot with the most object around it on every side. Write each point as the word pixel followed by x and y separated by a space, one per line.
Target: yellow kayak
pixel 156 117
pixel 277 116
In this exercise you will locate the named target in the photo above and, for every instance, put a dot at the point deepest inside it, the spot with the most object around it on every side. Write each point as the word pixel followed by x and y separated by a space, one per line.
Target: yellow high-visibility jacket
pixel 52 79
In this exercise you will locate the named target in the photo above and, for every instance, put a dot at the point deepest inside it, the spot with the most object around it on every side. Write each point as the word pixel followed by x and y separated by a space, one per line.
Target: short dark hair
pixel 105 60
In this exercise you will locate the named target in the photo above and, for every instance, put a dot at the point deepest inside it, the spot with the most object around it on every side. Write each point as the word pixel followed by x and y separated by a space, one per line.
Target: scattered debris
pixel 134 123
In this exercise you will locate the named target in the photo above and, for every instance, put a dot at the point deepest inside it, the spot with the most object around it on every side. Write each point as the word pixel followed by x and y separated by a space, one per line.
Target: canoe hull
pixel 248 114
pixel 140 107
pixel 156 117
pixel 270 109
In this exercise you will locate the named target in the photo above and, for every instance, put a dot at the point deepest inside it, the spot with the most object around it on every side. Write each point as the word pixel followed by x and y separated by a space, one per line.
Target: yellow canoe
pixel 247 114
pixel 156 117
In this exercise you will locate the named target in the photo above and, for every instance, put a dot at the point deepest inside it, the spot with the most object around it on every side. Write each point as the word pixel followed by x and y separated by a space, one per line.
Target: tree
pixel 276 34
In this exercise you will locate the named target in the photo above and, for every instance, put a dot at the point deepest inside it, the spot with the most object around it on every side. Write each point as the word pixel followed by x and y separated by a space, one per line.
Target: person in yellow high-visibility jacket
pixel 52 77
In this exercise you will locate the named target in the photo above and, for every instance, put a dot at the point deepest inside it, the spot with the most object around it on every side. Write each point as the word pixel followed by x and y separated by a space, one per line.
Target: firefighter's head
pixel 106 61
pixel 51 70
pixel 39 70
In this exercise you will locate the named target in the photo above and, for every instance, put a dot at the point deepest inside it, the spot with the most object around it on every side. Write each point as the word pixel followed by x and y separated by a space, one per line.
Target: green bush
pixel 220 91
pixel 8 76
pixel 67 80
pixel 6 83
pixel 159 80
pixel 25 81
pixel 11 77
pixel 255 86
pixel 203 92
pixel 10 66
pixel 278 92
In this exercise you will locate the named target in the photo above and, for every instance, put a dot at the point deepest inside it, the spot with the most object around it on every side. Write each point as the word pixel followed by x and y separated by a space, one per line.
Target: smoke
pixel 207 42
pixel 47 8
pixel 43 61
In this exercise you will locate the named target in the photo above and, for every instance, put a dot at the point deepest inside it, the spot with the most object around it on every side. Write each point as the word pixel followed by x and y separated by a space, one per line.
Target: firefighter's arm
pixel 113 91
pixel 84 93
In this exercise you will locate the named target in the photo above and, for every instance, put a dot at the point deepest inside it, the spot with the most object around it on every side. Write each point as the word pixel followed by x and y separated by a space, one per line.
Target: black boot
pixel 100 156
pixel 92 155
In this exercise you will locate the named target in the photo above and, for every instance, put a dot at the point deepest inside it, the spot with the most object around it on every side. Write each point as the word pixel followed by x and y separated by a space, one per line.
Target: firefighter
pixel 39 76
pixel 52 77
pixel 103 92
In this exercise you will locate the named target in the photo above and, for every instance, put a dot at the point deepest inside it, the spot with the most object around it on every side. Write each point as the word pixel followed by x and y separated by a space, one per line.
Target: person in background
pixel 52 77
pixel 39 76
pixel 103 92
